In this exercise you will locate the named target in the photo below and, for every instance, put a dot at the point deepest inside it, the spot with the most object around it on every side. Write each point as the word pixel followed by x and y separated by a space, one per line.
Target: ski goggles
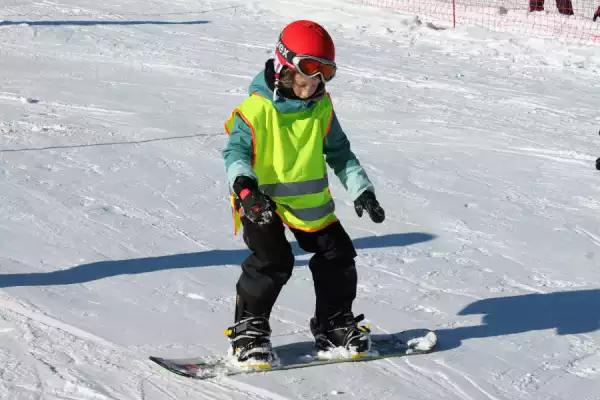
pixel 308 66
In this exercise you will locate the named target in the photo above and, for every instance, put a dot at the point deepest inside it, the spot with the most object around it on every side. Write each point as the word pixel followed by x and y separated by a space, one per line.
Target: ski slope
pixel 116 236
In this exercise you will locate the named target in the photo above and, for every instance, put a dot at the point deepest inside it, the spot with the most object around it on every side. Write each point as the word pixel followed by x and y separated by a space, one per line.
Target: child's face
pixel 305 87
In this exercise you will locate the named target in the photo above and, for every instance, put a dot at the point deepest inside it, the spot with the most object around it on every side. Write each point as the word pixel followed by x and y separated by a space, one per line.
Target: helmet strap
pixel 277 67
pixel 276 89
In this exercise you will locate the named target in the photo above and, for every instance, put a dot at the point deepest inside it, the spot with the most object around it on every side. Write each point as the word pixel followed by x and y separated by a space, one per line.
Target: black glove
pixel 256 206
pixel 367 201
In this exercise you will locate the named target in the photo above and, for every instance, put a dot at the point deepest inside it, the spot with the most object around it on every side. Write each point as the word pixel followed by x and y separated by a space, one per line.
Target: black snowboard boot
pixel 342 330
pixel 250 341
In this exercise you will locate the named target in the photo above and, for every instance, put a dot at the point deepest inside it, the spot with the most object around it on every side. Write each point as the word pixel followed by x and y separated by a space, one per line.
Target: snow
pixel 505 16
pixel 116 234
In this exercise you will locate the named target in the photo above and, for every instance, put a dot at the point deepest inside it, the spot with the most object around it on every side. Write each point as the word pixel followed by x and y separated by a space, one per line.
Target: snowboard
pixel 303 355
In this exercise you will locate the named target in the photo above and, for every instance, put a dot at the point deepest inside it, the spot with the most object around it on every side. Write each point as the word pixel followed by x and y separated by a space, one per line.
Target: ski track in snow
pixel 76 369
pixel 116 231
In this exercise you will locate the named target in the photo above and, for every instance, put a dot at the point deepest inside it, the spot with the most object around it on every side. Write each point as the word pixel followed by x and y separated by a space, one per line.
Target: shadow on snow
pixel 98 23
pixel 105 269
pixel 569 312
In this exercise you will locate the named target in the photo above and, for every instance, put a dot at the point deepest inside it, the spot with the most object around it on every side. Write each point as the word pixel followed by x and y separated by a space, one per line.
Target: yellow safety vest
pixel 288 160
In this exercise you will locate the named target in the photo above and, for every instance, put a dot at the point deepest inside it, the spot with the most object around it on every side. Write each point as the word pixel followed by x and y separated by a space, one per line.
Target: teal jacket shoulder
pixel 339 156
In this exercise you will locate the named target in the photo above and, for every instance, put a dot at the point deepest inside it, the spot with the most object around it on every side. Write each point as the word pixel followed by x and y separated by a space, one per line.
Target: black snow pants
pixel 270 265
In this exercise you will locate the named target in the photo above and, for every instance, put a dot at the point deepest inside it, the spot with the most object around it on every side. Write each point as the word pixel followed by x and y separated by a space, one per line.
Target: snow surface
pixel 506 15
pixel 116 235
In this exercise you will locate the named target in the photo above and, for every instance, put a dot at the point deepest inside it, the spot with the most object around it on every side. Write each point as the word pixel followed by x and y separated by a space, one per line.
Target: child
pixel 280 139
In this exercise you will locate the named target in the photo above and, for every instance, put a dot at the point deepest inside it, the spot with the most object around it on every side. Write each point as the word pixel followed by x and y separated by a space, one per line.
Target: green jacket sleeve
pixel 343 161
pixel 239 152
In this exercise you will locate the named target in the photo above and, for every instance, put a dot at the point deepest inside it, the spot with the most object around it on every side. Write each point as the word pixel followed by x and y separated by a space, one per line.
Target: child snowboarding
pixel 281 139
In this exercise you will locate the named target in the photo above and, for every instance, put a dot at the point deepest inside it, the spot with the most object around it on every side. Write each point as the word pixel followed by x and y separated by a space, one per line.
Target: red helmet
pixel 305 46
pixel 305 38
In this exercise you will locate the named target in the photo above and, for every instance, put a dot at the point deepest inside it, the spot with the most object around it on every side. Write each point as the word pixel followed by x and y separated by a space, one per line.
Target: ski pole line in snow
pixel 79 146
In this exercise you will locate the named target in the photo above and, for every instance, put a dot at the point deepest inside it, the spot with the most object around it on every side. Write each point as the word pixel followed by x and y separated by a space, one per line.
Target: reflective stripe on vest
pixel 313 213
pixel 295 188
pixel 288 160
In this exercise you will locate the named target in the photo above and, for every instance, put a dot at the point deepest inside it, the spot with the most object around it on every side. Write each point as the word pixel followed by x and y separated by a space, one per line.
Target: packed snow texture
pixel 116 233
